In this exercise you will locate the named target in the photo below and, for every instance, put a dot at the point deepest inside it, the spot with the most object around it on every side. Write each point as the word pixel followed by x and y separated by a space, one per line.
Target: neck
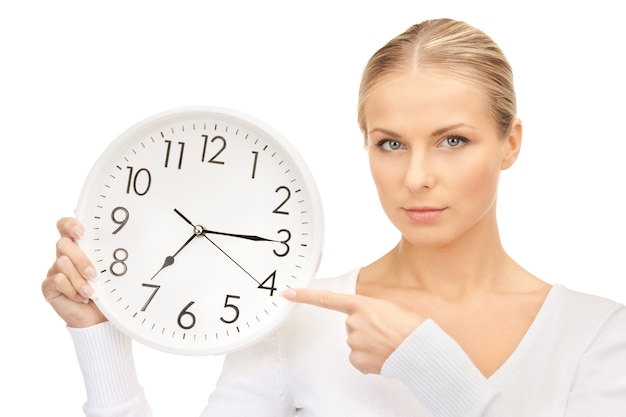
pixel 473 263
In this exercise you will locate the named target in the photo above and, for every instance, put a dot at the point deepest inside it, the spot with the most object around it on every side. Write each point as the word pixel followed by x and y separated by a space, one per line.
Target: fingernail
pixel 77 232
pixel 83 299
pixel 89 272
pixel 86 291
pixel 289 294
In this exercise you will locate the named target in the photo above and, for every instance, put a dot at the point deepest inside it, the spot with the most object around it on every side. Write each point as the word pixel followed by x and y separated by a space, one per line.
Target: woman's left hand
pixel 375 327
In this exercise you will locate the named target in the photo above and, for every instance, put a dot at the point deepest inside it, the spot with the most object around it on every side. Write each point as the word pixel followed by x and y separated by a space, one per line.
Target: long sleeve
pixel 441 376
pixel 599 384
pixel 106 361
pixel 253 383
pixel 593 382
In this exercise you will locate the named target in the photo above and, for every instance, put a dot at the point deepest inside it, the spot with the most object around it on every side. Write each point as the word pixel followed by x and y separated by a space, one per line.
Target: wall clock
pixel 196 218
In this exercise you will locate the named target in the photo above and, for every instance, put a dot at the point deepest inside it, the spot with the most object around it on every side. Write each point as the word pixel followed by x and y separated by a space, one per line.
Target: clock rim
pixel 253 124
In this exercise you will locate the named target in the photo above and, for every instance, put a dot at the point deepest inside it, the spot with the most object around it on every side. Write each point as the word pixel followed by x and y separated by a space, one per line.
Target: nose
pixel 419 172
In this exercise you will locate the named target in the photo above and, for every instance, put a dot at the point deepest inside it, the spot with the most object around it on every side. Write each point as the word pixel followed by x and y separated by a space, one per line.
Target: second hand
pixel 229 257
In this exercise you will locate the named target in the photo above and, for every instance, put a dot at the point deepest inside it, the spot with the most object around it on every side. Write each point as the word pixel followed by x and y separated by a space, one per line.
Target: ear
pixel 512 145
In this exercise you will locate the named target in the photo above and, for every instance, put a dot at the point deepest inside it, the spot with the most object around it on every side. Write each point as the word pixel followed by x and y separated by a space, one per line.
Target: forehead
pixel 425 99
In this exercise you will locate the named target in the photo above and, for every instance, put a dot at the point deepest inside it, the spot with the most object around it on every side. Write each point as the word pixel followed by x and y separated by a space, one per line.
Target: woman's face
pixel 435 155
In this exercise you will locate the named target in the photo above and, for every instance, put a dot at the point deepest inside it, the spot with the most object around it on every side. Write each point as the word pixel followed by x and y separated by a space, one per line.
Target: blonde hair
pixel 453 49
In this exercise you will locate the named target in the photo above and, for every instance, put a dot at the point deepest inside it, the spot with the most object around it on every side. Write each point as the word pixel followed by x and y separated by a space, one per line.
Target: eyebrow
pixel 384 132
pixel 448 128
pixel 437 132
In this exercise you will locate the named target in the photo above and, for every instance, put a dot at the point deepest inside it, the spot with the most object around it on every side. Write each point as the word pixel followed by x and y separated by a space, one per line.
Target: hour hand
pixel 169 260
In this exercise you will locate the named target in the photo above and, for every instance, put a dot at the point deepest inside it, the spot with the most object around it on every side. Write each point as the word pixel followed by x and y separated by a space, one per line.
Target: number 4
pixel 271 286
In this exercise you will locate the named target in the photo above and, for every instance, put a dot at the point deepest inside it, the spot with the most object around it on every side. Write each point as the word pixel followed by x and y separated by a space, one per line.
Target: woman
pixel 445 323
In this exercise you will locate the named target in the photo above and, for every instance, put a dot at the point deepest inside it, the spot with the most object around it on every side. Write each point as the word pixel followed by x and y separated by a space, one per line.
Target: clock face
pixel 196 220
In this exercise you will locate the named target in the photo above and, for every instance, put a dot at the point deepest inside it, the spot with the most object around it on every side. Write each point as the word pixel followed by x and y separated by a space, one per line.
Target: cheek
pixel 386 177
pixel 478 182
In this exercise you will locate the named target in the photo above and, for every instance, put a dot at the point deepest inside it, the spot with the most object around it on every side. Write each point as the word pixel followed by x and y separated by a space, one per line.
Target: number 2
pixel 278 210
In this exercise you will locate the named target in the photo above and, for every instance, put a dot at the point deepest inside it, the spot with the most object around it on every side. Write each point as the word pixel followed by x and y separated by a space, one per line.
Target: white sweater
pixel 571 362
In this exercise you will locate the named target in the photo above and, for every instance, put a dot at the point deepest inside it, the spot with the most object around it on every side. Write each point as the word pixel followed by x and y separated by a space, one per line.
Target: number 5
pixel 234 307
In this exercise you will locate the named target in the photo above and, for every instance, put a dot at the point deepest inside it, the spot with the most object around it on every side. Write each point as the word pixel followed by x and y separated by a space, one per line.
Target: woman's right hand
pixel 66 286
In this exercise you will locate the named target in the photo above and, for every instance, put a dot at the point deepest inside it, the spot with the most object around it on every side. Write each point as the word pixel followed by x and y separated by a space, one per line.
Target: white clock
pixel 196 219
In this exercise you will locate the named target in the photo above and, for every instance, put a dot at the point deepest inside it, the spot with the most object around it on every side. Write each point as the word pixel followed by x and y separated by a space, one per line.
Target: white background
pixel 75 74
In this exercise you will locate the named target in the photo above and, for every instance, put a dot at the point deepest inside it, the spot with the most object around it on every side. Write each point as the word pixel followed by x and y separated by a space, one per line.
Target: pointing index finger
pixel 344 303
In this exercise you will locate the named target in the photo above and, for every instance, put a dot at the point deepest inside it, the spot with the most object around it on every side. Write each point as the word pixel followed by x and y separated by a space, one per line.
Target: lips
pixel 424 214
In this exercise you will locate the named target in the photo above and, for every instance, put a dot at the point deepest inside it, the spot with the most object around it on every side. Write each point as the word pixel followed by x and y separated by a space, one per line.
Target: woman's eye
pixel 454 141
pixel 390 145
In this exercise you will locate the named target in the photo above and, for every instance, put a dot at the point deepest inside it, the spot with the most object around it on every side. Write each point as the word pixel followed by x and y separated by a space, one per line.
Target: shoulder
pixel 583 318
pixel 578 304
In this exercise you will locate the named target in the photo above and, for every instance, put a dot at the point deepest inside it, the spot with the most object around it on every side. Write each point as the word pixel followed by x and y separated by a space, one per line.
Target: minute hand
pixel 249 237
